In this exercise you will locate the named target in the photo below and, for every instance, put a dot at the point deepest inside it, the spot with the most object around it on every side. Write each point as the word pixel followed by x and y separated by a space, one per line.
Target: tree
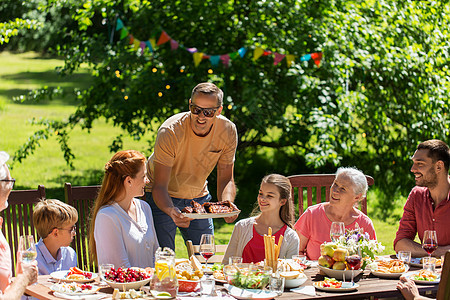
pixel 381 88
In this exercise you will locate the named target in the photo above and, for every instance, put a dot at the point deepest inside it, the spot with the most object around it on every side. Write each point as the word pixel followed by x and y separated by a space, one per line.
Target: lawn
pixel 22 72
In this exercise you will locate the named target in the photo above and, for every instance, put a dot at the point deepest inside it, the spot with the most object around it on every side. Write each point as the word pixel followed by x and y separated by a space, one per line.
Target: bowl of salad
pixel 247 276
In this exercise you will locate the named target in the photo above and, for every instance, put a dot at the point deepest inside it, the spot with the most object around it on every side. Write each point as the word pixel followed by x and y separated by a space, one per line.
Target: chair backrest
pixel 216 258
pixel 82 198
pixel 444 285
pixel 317 182
pixel 18 217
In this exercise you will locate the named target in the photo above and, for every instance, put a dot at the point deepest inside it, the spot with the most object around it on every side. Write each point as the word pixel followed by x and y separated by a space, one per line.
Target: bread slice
pixel 196 265
pixel 181 260
pixel 290 275
pixel 294 266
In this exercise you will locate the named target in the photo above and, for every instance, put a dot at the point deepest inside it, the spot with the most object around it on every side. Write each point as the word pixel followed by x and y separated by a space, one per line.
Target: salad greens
pixel 217 267
pixel 251 280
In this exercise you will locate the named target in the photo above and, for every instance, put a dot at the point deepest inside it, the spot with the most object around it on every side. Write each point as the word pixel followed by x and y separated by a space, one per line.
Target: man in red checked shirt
pixel 428 204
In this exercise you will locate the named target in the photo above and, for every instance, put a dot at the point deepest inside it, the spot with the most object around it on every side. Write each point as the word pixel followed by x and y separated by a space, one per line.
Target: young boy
pixel 55 223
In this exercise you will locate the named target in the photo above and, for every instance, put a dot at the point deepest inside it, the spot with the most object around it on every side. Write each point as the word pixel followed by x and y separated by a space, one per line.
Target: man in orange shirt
pixel 188 147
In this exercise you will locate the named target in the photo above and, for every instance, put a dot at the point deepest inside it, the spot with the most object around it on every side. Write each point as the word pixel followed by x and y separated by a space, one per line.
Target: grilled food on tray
pixel 211 207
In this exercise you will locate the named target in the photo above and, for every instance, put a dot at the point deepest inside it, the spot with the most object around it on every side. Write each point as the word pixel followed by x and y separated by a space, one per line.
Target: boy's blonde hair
pixel 52 213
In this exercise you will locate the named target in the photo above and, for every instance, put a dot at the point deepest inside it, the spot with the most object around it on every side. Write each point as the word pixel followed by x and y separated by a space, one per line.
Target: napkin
pixel 307 290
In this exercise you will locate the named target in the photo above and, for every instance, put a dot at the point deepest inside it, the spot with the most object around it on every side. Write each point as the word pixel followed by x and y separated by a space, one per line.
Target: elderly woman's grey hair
pixel 358 178
pixel 3 159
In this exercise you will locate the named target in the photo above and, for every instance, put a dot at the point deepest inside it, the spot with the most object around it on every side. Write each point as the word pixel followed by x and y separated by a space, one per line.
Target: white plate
pixel 339 274
pixel 212 216
pixel 415 262
pixel 390 275
pixel 239 293
pixel 61 276
pixel 410 274
pixel 58 288
pixel 339 290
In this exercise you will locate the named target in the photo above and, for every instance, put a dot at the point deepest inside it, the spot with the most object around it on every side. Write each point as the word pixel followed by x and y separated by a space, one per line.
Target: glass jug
pixel 165 277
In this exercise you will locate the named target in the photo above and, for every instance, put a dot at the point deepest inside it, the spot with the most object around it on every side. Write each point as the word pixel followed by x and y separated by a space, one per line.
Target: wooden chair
pixel 82 198
pixel 194 250
pixel 18 218
pixel 317 182
pixel 444 285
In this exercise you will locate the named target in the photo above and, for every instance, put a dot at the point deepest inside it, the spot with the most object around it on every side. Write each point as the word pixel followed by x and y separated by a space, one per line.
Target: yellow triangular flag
pixel 257 53
pixel 153 42
pixel 136 43
pixel 197 58
pixel 289 59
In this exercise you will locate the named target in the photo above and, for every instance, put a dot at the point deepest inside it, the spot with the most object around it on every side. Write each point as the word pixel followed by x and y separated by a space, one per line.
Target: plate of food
pixel 390 269
pixel 218 274
pixel 130 294
pixel 73 288
pixel 333 285
pixel 73 275
pixel 424 277
pixel 208 210
pixel 340 274
pixel 243 294
pixel 417 262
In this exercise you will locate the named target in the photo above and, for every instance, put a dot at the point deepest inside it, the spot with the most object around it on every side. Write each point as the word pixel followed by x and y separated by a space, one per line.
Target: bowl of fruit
pixel 127 278
pixel 247 276
pixel 336 262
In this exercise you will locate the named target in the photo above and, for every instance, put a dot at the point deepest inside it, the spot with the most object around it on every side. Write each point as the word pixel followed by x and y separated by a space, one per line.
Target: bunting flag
pixel 225 58
pixel 290 59
pixel 277 58
pixel 317 57
pixel 214 59
pixel 258 51
pixel 164 38
pixel 174 45
pixel 197 58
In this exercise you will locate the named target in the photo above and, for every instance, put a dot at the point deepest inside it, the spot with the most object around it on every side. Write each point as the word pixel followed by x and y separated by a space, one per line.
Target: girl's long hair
pixel 122 164
pixel 284 188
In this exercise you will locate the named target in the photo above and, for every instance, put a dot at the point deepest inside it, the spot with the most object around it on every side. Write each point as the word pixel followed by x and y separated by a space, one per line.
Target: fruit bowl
pixel 127 278
pixel 339 274
pixel 136 285
pixel 188 286
pixel 247 276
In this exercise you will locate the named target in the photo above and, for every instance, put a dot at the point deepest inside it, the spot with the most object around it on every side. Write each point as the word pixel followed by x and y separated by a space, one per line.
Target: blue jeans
pixel 166 228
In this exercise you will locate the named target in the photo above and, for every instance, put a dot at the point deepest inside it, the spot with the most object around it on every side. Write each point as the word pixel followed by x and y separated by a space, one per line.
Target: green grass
pixel 22 72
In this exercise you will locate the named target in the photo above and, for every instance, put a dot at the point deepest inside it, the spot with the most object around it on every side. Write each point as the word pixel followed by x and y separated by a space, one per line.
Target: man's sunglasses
pixel 207 112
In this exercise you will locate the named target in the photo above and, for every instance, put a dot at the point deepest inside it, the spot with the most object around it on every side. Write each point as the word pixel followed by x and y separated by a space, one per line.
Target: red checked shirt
pixel 419 215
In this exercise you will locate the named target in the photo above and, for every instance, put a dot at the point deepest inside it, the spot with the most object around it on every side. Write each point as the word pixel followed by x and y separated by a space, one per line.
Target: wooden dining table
pixel 370 287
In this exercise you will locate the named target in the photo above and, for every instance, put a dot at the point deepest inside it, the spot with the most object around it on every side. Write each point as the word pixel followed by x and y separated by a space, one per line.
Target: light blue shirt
pixel 65 259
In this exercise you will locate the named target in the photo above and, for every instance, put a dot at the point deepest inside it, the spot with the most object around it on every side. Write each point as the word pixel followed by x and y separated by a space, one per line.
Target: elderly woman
pixel 27 273
pixel 313 226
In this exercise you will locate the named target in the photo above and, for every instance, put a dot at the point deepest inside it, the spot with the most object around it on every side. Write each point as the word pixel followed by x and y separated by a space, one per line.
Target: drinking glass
pixel 404 256
pixel 234 260
pixel 276 285
pixel 102 269
pixel 429 242
pixel 353 261
pixel 27 248
pixel 207 285
pixel 429 263
pixel 337 229
pixel 207 246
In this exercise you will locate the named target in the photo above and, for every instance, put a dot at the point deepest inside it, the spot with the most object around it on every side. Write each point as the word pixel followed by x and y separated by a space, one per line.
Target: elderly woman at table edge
pixel 313 226
pixel 27 273
pixel 277 212
pixel 121 230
